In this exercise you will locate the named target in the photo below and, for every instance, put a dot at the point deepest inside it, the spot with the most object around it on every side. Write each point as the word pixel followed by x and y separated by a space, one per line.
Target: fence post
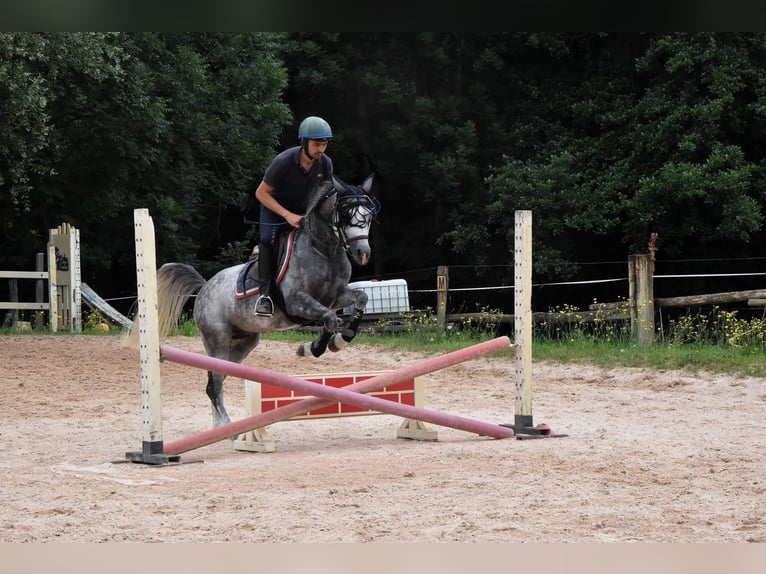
pixel 65 258
pixel 641 294
pixel 442 285
pixel 53 281
pixel 13 288
pixel 39 290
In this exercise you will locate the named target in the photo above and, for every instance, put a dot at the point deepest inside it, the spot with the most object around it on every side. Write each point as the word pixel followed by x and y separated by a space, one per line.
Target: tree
pixel 177 123
pixel 654 134
pixel 697 177
pixel 34 70
pixel 606 137
pixel 428 112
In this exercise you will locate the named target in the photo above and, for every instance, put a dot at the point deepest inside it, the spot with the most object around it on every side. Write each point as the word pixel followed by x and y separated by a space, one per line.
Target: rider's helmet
pixel 314 128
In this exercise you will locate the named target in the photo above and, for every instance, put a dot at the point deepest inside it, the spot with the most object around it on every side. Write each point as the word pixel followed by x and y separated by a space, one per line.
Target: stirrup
pixel 264 306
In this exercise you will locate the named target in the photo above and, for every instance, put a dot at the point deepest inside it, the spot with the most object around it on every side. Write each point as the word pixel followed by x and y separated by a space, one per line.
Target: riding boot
pixel 264 306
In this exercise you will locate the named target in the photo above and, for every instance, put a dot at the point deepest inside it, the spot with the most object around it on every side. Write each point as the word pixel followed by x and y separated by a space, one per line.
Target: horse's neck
pixel 321 234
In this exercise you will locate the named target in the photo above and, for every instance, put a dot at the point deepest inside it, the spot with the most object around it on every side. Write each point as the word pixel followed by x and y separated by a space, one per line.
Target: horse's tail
pixel 176 282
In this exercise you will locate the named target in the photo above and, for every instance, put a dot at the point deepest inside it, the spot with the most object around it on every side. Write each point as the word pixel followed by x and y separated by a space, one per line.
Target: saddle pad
pixel 247 284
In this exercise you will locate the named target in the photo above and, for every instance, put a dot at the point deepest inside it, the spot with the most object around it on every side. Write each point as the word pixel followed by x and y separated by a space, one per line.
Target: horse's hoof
pixel 336 343
pixel 304 350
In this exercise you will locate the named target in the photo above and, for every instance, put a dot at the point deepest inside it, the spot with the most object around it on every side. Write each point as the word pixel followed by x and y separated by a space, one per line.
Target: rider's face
pixel 317 147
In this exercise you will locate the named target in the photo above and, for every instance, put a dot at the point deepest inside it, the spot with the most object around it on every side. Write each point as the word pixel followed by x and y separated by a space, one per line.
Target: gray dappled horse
pixel 312 287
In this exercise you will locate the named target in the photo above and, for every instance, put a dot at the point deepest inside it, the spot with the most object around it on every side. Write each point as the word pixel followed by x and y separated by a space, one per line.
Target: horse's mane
pixel 320 214
pixel 321 190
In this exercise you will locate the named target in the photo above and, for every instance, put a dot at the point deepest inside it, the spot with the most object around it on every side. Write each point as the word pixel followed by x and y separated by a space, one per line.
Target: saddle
pixel 247 280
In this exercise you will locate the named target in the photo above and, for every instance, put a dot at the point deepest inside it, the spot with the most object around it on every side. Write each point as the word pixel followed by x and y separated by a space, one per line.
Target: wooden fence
pixel 41 277
pixel 63 279
pixel 639 309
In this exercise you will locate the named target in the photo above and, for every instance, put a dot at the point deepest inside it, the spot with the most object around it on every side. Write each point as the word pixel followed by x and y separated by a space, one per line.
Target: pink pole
pixel 327 395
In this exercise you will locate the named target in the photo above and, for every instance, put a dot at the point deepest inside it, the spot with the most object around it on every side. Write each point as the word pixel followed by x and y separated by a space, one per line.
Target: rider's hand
pixel 294 220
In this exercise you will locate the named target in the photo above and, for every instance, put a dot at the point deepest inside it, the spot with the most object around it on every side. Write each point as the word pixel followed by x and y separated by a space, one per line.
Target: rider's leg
pixel 264 305
pixel 269 227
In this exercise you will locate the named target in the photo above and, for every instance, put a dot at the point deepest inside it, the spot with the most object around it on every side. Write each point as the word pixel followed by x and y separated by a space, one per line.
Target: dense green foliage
pixel 606 137
pixel 95 125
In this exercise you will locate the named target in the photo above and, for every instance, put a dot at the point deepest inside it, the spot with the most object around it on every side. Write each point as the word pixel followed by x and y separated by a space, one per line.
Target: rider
pixel 284 194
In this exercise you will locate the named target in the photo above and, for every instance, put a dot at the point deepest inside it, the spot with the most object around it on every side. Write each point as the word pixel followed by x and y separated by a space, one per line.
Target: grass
pixel 715 342
pixel 692 358
pixel 722 343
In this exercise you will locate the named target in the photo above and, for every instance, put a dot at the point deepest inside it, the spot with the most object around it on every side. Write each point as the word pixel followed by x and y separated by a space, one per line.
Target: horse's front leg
pixel 317 347
pixel 347 334
pixel 305 306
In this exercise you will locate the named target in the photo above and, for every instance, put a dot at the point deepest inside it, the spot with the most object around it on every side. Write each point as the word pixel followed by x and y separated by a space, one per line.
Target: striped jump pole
pixel 323 395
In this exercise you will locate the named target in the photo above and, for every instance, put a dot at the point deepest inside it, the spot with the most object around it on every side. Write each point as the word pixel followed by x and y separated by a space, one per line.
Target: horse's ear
pixel 367 183
pixel 338 184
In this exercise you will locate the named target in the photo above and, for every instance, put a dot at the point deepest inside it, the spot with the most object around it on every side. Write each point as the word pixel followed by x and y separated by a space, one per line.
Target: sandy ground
pixel 650 456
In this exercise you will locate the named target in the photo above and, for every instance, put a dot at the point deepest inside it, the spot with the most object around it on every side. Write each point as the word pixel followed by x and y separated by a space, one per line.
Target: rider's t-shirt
pixel 292 184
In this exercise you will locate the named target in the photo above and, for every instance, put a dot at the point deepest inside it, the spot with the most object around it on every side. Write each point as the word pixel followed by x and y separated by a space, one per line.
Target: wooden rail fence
pixel 63 278
pixel 639 309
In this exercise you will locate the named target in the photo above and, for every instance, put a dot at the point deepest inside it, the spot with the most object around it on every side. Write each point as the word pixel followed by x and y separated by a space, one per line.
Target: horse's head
pixel 356 211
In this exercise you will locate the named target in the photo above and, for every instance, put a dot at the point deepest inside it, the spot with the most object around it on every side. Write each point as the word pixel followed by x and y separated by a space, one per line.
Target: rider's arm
pixel 264 194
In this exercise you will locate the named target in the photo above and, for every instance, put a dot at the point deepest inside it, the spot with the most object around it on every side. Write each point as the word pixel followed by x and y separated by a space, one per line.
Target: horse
pixel 311 286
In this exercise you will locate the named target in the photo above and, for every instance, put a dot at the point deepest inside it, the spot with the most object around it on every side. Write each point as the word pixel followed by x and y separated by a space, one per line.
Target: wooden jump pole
pixel 351 394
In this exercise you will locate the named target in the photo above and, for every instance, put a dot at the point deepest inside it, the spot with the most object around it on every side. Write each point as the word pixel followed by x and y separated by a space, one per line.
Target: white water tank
pixel 389 296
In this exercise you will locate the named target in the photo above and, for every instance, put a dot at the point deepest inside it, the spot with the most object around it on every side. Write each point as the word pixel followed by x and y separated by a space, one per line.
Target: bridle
pixel 354 209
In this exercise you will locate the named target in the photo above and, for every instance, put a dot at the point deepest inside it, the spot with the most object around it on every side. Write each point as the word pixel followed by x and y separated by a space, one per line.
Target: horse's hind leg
pixel 238 347
pixel 214 392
